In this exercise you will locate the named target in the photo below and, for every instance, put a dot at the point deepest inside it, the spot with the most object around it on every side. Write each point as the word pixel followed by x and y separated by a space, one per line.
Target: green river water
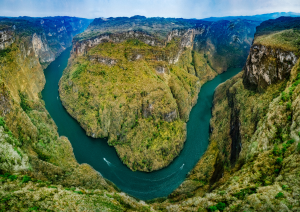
pixel 103 158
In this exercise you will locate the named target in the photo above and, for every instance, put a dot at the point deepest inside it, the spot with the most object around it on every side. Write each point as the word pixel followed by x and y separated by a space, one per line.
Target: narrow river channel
pixel 103 158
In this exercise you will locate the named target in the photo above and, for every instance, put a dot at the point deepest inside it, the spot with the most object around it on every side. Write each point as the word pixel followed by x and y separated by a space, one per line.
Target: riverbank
pixel 103 158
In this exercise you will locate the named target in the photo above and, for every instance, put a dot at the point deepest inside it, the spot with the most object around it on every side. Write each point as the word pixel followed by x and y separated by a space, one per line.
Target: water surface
pixel 104 159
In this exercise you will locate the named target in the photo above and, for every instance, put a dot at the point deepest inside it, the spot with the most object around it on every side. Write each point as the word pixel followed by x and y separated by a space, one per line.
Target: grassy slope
pixel 111 104
pixel 287 40
pixel 280 33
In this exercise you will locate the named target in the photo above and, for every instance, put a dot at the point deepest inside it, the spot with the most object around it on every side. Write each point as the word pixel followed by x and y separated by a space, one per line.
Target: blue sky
pixel 149 8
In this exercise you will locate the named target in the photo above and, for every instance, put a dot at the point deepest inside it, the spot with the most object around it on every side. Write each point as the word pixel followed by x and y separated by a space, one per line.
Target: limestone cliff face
pixel 186 41
pixel 225 43
pixel 57 35
pixel 186 36
pixel 6 38
pixel 81 47
pixel 33 51
pixel 266 66
pixel 40 48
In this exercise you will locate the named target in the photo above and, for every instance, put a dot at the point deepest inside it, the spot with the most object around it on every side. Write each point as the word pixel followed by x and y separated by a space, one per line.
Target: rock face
pixel 81 47
pixel 49 37
pixel 41 50
pixel 266 66
pixel 6 38
pixel 225 43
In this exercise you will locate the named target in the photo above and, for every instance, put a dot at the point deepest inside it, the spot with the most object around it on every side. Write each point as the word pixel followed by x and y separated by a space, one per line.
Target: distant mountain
pixel 262 17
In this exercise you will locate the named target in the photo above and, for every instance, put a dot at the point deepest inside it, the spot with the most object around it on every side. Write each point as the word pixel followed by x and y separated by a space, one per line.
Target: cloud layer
pixel 149 8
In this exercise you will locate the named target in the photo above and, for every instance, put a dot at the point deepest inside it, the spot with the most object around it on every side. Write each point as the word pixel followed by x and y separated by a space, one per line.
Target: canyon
pixel 252 159
pixel 145 121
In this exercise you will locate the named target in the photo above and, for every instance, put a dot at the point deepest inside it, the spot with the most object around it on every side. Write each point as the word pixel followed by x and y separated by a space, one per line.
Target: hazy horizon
pixel 155 8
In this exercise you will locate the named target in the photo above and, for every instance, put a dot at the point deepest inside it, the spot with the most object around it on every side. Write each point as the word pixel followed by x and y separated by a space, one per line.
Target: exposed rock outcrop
pixel 104 60
pixel 81 47
pixel 41 50
pixel 6 37
pixel 267 65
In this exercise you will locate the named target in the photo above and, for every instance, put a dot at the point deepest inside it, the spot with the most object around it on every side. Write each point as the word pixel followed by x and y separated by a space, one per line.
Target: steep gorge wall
pixel 254 141
pixel 32 154
pixel 225 43
pixel 266 65
pixel 32 46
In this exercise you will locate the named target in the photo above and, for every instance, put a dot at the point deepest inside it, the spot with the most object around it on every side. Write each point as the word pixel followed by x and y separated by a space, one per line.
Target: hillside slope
pixel 38 170
pixel 135 80
pixel 252 162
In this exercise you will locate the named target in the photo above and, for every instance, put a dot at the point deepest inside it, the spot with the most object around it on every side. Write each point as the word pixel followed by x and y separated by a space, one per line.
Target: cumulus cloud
pixel 149 8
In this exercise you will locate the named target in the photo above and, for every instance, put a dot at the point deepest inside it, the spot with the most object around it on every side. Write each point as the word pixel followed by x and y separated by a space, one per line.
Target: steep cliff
pixel 252 162
pixel 225 43
pixel 135 80
pixel 38 170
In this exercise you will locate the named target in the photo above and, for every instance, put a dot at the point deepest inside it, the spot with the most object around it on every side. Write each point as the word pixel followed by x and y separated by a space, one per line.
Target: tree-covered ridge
pixel 159 27
pixel 55 32
pixel 140 68
pixel 38 170
pixel 276 25
pixel 28 25
pixel 287 40
pixel 129 92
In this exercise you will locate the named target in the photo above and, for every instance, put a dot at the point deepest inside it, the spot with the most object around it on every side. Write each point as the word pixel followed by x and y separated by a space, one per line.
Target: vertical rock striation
pixel 267 65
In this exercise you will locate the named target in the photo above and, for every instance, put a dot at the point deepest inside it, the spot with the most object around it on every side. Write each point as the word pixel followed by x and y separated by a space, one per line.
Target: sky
pixel 149 8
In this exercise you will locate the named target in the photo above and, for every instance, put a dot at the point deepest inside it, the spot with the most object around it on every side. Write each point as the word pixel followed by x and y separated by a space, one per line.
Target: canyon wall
pixel 252 159
pixel 151 71
pixel 38 170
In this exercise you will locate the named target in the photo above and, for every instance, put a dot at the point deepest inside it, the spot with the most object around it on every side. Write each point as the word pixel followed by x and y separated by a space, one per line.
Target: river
pixel 104 159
